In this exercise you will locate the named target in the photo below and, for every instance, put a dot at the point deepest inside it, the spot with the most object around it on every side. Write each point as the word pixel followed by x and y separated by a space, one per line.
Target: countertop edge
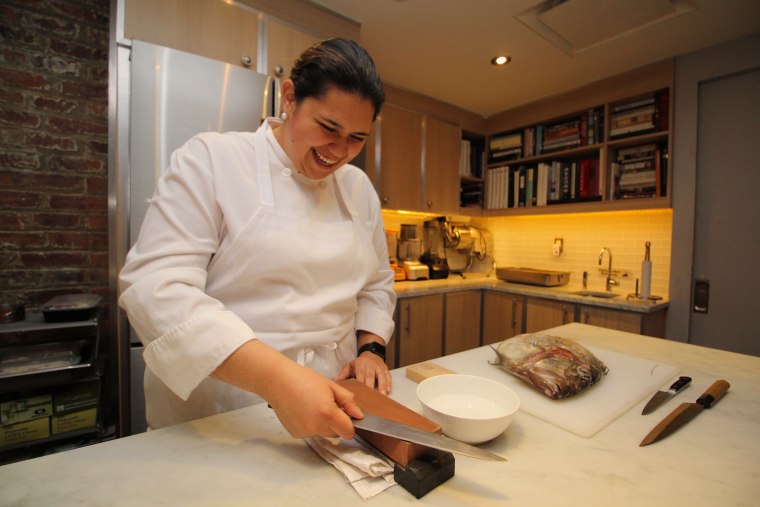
pixel 415 288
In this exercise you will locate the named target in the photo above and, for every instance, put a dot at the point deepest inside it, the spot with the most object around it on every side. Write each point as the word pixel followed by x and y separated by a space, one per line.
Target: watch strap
pixel 373 347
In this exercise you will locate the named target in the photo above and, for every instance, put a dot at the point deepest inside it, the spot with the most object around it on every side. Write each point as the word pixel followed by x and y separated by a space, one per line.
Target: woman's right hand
pixel 307 403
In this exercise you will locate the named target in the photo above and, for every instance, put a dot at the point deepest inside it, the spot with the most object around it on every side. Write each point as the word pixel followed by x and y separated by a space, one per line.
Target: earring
pixel 284 116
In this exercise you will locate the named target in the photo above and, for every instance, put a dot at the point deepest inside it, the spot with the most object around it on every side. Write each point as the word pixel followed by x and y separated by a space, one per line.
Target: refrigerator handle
pixel 272 103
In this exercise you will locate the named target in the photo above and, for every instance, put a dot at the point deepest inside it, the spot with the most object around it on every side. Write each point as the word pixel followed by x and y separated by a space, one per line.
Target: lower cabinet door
pixel 462 327
pixel 545 313
pixel 502 316
pixel 420 329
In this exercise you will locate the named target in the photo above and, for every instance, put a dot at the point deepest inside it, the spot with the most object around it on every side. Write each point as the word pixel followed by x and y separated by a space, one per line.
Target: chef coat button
pixel 286 172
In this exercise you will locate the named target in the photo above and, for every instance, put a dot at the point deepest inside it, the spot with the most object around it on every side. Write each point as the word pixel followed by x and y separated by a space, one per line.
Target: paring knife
pixel 661 397
pixel 401 431
pixel 685 412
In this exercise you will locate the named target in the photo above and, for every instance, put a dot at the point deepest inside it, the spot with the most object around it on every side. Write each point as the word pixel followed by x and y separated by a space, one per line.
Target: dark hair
pixel 341 63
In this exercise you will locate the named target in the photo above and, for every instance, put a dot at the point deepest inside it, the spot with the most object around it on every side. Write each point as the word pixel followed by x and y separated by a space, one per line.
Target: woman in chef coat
pixel 261 270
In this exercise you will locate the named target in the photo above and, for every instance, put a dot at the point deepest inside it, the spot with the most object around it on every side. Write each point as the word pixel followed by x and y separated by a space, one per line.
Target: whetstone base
pixel 424 474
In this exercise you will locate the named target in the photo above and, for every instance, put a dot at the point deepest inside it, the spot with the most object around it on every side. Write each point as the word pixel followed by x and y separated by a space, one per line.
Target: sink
pixel 596 294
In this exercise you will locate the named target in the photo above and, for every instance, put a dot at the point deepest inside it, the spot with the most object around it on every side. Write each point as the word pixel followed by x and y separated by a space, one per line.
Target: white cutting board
pixel 629 380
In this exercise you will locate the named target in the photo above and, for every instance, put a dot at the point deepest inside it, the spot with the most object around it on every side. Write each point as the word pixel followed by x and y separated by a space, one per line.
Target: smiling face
pixel 322 134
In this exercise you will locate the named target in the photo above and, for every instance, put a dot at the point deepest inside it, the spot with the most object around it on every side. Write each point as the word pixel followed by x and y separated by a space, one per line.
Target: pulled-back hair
pixel 341 63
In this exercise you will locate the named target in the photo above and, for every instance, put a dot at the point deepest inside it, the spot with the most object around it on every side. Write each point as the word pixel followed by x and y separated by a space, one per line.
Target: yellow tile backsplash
pixel 526 241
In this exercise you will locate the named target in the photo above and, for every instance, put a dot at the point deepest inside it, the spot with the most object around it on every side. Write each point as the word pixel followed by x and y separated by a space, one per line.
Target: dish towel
pixel 367 472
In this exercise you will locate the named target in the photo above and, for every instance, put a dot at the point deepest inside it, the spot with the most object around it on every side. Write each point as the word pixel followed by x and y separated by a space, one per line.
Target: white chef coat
pixel 236 245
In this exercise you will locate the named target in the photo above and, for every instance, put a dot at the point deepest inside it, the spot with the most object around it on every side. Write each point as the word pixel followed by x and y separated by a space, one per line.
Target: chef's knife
pixel 661 397
pixel 685 412
pixel 401 431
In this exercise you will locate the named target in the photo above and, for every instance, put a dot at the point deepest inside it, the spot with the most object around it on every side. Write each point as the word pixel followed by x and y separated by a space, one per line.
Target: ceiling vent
pixel 577 25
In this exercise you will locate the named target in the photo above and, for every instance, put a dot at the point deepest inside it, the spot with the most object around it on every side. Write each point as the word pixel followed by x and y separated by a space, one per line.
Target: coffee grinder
pixel 435 256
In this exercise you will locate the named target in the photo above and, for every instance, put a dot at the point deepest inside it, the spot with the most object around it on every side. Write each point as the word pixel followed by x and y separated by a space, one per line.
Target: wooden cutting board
pixel 372 402
pixel 629 381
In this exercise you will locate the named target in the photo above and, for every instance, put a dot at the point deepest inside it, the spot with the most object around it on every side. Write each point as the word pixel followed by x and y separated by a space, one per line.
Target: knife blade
pixel 401 431
pixel 685 412
pixel 661 397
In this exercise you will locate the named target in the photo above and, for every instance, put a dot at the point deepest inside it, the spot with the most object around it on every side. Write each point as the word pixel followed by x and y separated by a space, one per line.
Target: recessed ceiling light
pixel 501 60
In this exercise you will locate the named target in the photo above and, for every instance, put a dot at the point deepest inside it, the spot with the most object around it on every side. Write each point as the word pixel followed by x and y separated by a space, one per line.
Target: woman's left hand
pixel 369 369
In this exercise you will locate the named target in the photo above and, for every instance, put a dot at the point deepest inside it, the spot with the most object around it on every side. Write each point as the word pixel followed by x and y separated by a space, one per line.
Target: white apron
pixel 293 280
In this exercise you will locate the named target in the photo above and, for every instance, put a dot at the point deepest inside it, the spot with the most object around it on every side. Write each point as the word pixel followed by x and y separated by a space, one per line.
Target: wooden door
pixel 443 142
pixel 462 328
pixel 420 326
pixel 400 170
pixel 545 313
pixel 502 316
pixel 207 28
pixel 284 45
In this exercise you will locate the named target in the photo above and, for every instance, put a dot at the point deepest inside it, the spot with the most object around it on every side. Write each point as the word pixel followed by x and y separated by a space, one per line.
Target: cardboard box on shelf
pixel 72 421
pixel 76 397
pixel 34 429
pixel 26 409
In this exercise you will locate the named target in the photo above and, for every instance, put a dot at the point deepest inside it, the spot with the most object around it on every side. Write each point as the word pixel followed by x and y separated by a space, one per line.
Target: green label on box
pixel 26 409
pixel 74 421
pixel 77 397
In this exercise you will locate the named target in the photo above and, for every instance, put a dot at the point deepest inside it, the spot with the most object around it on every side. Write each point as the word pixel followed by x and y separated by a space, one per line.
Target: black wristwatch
pixel 373 347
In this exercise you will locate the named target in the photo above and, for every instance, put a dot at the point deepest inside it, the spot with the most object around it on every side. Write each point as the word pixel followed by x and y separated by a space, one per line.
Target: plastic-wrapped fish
pixel 556 366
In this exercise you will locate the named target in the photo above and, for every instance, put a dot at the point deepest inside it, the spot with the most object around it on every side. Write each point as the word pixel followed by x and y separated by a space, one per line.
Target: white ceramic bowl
pixel 468 408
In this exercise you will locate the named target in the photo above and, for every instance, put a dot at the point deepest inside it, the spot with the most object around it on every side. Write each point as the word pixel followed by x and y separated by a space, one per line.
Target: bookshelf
pixel 604 147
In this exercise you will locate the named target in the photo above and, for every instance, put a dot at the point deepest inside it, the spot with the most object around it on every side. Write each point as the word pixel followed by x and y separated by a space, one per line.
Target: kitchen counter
pixel 246 458
pixel 562 293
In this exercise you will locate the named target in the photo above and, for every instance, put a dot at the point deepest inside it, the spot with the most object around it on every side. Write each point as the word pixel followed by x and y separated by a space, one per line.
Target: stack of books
pixel 638 116
pixel 471 160
pixel 561 136
pixel 505 146
pixel 637 172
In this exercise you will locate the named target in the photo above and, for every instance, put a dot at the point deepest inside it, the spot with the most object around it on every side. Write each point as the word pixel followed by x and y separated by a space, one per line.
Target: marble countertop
pixel 246 458
pixel 562 293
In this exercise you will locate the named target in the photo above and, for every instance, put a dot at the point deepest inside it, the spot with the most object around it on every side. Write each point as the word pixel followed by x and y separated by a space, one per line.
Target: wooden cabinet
pixel 603 147
pixel 419 329
pixel 502 316
pixel 441 167
pixel 284 45
pixel 412 159
pixel 462 321
pixel 208 28
pixel 651 324
pixel 545 313
pixel 395 170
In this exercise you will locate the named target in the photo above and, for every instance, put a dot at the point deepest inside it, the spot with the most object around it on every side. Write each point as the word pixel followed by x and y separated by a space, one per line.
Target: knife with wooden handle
pixel 685 412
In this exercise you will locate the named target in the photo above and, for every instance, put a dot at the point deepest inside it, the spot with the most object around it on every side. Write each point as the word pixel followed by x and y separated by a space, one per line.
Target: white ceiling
pixel 443 48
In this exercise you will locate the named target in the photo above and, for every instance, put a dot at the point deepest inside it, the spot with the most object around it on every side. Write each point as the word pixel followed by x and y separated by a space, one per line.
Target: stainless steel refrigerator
pixel 163 98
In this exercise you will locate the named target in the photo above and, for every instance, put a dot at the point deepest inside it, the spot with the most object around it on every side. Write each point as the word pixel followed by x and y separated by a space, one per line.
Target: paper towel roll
pixel 646 279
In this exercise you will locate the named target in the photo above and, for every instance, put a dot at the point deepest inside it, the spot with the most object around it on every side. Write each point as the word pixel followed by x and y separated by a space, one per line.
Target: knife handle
pixel 680 384
pixel 714 393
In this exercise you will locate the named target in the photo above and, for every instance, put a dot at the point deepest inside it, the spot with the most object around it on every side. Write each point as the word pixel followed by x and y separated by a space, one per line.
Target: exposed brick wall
pixel 53 148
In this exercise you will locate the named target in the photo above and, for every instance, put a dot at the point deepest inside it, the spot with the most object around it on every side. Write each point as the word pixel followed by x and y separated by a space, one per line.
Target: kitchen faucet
pixel 610 281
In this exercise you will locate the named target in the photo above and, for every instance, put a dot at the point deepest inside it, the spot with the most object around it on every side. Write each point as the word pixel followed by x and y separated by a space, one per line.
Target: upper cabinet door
pixel 442 148
pixel 284 45
pixel 208 28
pixel 400 170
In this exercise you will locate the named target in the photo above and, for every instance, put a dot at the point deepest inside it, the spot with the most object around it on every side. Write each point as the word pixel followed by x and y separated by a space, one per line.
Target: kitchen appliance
pixel 466 249
pixel 530 276
pixel 685 412
pixel 435 256
pixel 661 397
pixel 164 97
pixel 410 250
pixel 391 241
